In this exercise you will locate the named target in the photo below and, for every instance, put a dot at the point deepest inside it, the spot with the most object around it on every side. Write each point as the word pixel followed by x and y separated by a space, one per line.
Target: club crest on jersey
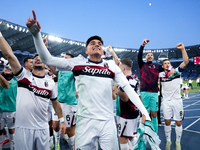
pixel 46 84
pixel 106 65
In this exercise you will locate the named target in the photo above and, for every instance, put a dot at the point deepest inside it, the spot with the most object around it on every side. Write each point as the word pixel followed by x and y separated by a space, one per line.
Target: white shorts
pixel 7 118
pixel 89 130
pixel 127 127
pixel 69 114
pixel 31 139
pixel 173 108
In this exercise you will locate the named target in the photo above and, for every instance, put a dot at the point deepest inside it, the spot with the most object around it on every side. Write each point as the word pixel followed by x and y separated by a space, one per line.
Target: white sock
pixel 12 143
pixel 124 146
pixel 184 94
pixel 70 142
pixel 57 137
pixel 0 34
pixel 178 133
pixel 1 141
pixel 168 133
pixel 50 141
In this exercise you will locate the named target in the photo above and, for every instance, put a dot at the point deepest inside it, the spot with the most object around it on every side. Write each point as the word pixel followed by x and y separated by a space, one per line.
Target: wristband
pixel 0 34
pixel 61 120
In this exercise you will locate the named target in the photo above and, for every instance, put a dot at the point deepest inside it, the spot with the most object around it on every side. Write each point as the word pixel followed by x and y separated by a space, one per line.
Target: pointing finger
pixel 34 15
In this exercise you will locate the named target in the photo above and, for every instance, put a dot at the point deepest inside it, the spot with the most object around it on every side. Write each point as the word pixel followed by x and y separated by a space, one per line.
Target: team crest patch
pixel 46 84
pixel 106 65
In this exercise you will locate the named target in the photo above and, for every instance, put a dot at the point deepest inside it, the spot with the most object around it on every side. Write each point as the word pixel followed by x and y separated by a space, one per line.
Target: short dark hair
pixel 148 53
pixel 165 60
pixel 127 62
pixel 70 54
pixel 26 59
pixel 96 37
pixel 35 56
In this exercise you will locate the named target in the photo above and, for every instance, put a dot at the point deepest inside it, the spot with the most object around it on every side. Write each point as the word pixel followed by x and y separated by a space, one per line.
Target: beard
pixel 8 77
pixel 38 67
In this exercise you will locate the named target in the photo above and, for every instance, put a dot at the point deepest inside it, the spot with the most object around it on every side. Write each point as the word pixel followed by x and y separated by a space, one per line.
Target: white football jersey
pixel 33 95
pixel 170 87
pixel 94 82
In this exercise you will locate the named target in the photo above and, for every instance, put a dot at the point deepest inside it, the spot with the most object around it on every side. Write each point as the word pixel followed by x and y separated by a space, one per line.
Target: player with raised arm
pixel 95 108
pixel 33 94
pixel 172 102
pixel 149 72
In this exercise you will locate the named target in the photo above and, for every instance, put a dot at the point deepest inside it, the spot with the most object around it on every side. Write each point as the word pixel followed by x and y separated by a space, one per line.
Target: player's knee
pixel 167 122
pixel 178 123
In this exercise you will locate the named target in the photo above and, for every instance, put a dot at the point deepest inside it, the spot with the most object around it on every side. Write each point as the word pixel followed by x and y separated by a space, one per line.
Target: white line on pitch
pixel 191 104
pixel 191 117
pixel 192 131
pixel 191 109
pixel 191 124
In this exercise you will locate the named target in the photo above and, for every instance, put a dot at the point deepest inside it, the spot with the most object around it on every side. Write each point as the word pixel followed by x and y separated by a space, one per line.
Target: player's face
pixel 29 64
pixel 166 65
pixel 95 47
pixel 149 57
pixel 37 62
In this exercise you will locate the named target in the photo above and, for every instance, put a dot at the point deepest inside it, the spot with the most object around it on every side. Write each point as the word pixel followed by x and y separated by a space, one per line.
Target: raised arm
pixel 3 82
pixel 8 53
pixel 140 54
pixel 184 55
pixel 34 28
pixel 111 51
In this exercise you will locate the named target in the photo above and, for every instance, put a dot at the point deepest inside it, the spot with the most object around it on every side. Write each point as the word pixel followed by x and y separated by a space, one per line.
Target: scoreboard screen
pixel 197 60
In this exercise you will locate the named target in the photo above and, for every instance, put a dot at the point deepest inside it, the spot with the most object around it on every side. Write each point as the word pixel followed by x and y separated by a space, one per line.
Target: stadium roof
pixel 21 41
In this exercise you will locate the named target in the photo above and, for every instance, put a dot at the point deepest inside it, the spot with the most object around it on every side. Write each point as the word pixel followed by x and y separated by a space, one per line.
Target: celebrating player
pixel 33 94
pixel 172 102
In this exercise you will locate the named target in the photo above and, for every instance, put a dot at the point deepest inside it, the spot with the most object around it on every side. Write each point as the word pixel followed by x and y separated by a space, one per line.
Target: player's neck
pixel 38 72
pixel 94 58
pixel 127 72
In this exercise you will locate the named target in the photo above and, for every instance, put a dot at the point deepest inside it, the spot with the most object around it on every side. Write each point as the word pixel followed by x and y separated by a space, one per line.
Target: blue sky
pixel 121 23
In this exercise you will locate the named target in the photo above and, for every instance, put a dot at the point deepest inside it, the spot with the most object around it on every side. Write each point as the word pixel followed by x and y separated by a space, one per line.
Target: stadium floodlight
pixel 20 28
pixel 58 39
pixel 162 58
pixel 51 38
pixel 0 22
pixel 24 30
pixel 8 25
pixel 15 28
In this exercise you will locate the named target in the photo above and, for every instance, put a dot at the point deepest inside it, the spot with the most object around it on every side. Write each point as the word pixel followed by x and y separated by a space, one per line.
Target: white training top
pixel 33 95
pixel 170 87
pixel 94 82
